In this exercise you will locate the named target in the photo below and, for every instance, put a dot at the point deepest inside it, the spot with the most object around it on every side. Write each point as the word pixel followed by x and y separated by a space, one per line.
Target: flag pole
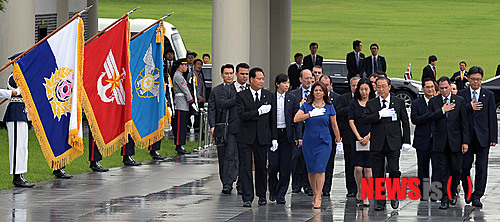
pixel 112 24
pixel 46 37
pixel 159 20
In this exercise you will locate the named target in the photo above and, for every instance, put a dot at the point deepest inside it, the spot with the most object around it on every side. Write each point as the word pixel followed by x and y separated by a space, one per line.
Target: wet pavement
pixel 188 188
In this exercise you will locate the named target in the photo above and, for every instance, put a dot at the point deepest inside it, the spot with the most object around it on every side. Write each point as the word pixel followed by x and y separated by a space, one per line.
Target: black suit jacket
pixel 215 113
pixel 381 65
pixel 351 64
pixel 428 73
pixel 335 99
pixel 423 126
pixel 483 122
pixel 460 83
pixel 452 128
pixel 293 75
pixel 395 132
pixel 298 95
pixel 308 63
pixel 252 126
pixel 293 130
pixel 345 130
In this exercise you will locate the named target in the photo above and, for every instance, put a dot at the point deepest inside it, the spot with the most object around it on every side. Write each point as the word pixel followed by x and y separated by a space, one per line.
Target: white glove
pixel 194 107
pixel 339 148
pixel 275 145
pixel 317 112
pixel 18 91
pixel 170 111
pixel 406 147
pixel 264 109
pixel 385 112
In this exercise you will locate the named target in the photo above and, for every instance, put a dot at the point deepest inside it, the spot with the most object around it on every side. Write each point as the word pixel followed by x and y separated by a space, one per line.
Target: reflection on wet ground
pixel 188 188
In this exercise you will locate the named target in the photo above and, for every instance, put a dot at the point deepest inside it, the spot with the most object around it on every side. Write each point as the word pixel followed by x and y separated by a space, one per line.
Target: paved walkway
pixel 188 188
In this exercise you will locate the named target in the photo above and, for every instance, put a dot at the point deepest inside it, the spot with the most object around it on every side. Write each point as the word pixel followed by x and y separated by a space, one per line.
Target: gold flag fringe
pixel 151 138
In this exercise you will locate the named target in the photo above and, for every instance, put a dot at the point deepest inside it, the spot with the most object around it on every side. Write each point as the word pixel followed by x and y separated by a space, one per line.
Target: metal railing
pixel 205 137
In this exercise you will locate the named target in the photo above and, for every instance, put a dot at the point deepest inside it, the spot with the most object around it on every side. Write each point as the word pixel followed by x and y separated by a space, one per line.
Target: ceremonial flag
pixel 50 78
pixel 107 88
pixel 148 91
pixel 408 73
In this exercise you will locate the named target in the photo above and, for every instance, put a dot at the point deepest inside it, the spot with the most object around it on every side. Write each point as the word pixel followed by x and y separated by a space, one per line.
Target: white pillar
pixel 230 35
pixel 92 15
pixel 281 36
pixel 259 38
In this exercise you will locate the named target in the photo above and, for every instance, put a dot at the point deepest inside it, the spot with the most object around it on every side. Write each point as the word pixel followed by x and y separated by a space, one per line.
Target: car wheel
pixel 406 96
pixel 498 108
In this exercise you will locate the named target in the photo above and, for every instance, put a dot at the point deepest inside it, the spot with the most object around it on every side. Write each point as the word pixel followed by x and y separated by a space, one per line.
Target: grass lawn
pixel 38 169
pixel 406 31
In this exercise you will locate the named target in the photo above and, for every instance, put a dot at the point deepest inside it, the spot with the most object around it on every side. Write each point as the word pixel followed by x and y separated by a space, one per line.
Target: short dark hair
pixel 444 79
pixel 325 76
pixel 313 44
pixel 226 66
pixel 357 94
pixel 463 63
pixel 197 60
pixel 432 58
pixel 427 79
pixel 169 51
pixel 374 44
pixel 280 78
pixel 326 98
pixel 381 73
pixel 242 65
pixel 355 43
pixel 319 67
pixel 207 55
pixel 476 69
pixel 297 55
pixel 253 71
pixel 383 78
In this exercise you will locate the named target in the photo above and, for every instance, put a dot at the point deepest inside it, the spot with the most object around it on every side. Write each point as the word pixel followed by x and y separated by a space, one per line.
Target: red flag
pixel 107 88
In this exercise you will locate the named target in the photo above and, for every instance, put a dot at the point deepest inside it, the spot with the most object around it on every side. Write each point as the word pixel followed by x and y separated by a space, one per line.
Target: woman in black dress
pixel 360 159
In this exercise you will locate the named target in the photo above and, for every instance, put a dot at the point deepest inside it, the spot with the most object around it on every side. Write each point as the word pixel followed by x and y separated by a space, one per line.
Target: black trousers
pixel 227 155
pixel 129 148
pixel 481 168
pixel 350 182
pixel 327 187
pixel 378 164
pixel 299 171
pixel 94 153
pixel 180 127
pixel 155 146
pixel 424 157
pixel 245 155
pixel 280 163
pixel 449 164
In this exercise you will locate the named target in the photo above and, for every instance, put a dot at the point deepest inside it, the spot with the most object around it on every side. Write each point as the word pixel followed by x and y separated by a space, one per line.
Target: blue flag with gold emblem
pixel 50 78
pixel 148 87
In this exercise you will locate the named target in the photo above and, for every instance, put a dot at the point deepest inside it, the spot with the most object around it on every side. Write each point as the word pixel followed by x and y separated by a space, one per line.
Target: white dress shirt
pixel 387 101
pixel 280 99
pixel 237 86
pixel 253 93
pixel 477 94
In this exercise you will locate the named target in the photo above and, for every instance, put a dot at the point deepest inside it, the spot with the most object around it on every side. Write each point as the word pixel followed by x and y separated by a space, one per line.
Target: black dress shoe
pixel 453 200
pixel 280 201
pixel 247 204
pixel 129 161
pixel 394 204
pixel 326 194
pixel 61 174
pixel 309 193
pixel 350 195
pixel 272 198
pixel 182 151
pixel 156 155
pixel 444 205
pixel 296 190
pixel 226 191
pixel 96 167
pixel 379 207
pixel 477 203
pixel 19 181
pixel 262 201
pixel 468 201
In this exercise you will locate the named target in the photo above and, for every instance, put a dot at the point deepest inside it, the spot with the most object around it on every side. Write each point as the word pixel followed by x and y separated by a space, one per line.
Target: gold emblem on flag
pixel 59 89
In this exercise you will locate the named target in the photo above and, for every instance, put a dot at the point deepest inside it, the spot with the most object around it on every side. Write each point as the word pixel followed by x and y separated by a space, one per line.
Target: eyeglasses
pixel 382 87
pixel 316 72
pixel 475 80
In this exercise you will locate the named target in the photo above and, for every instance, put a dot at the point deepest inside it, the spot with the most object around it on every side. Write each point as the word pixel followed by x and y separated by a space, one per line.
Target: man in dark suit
pixel 335 99
pixel 289 134
pixel 450 137
pixel 390 133
pixel 294 71
pixel 430 70
pixel 299 173
pixel 355 60
pixel 313 59
pixel 223 121
pixel 346 133
pixel 375 62
pixel 422 140
pixel 483 132
pixel 257 133
pixel 461 77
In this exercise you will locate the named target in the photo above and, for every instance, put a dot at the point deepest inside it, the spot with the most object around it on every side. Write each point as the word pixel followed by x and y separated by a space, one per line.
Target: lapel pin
pixel 484 95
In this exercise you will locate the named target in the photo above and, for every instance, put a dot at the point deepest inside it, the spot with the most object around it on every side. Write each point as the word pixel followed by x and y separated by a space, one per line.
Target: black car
pixel 493 85
pixel 408 90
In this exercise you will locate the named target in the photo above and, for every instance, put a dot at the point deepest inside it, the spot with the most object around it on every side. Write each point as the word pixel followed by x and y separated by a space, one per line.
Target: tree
pixel 1 4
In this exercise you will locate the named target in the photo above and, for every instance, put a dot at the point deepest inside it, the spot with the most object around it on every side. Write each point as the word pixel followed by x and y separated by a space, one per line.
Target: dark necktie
pixel 306 93
pixel 474 96
pixel 445 101
pixel 383 103
pixel 434 70
pixel 314 60
pixel 242 87
pixel 375 64
pixel 257 99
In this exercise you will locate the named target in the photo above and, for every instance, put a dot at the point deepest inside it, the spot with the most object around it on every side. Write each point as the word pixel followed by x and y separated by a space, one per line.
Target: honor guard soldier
pixel 182 101
pixel 17 126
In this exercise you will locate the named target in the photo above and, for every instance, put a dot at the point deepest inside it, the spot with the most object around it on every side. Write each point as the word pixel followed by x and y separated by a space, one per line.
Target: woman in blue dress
pixel 361 131
pixel 317 113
